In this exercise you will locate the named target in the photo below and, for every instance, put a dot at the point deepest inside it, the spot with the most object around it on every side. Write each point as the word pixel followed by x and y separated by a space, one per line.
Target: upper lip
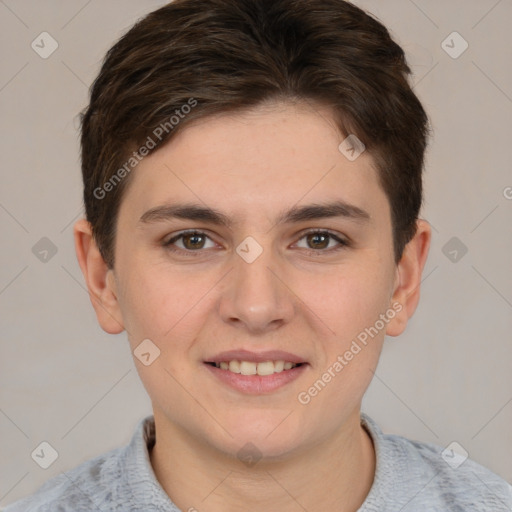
pixel 255 357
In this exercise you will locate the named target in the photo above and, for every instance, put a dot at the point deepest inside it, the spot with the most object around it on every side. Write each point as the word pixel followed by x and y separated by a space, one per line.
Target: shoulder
pixel 455 481
pixel 430 477
pixel 86 487
pixel 120 480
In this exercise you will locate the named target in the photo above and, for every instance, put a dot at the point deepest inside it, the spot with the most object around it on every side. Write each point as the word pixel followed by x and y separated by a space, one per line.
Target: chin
pixel 266 437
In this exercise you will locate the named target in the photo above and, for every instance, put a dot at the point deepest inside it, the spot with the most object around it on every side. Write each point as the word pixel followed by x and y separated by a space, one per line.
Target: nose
pixel 257 297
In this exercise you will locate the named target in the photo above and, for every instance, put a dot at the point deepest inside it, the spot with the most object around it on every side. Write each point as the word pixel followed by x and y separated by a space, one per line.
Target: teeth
pixel 248 368
pixel 251 368
pixel 266 368
pixel 278 366
pixel 234 366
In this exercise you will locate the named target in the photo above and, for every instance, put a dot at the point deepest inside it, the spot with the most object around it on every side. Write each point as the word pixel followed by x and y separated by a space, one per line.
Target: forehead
pixel 262 159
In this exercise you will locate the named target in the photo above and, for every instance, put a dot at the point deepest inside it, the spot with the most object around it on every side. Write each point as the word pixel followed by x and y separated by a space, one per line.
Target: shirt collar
pixel 146 490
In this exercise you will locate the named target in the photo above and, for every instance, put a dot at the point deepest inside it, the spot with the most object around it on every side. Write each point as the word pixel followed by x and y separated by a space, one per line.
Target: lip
pixel 256 384
pixel 256 357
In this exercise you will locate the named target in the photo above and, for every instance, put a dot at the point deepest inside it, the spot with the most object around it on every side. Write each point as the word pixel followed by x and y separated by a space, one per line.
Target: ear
pixel 99 278
pixel 408 278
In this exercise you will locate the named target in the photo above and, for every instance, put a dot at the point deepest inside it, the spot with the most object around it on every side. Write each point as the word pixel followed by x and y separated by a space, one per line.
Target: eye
pixel 321 240
pixel 191 241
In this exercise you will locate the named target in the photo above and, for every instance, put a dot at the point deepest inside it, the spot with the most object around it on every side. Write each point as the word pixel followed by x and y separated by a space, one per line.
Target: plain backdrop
pixel 66 382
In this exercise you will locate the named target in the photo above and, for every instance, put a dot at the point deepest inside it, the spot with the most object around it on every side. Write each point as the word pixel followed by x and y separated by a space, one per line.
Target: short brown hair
pixel 227 55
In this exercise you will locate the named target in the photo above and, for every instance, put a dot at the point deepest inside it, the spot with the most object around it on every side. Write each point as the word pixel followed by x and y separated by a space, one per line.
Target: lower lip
pixel 257 384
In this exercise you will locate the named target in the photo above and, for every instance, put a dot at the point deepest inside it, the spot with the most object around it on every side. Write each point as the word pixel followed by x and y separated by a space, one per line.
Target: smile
pixel 252 368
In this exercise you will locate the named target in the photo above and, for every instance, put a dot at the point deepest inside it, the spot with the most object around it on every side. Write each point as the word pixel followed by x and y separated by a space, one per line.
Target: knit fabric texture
pixel 410 476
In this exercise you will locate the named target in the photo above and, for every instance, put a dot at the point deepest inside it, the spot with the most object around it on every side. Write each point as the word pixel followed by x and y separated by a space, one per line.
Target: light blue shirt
pixel 410 476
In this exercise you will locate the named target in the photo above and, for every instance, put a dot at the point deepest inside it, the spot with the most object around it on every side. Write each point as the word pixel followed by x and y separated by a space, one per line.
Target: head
pixel 241 112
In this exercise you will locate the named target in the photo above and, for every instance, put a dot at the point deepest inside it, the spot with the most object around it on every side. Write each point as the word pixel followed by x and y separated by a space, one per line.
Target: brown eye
pixel 322 242
pixel 191 241
pixel 318 240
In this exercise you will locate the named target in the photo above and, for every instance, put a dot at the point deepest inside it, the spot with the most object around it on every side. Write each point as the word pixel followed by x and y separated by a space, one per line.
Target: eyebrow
pixel 196 212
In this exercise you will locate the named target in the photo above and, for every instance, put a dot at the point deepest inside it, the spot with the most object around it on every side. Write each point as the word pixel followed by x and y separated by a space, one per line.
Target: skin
pixel 252 166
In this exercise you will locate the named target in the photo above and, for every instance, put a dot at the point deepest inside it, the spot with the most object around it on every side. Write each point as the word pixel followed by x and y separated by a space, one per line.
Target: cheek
pixel 354 298
pixel 155 305
pixel 351 303
pixel 163 308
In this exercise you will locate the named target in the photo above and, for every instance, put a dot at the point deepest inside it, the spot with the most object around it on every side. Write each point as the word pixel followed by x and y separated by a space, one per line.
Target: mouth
pixel 263 368
pixel 256 373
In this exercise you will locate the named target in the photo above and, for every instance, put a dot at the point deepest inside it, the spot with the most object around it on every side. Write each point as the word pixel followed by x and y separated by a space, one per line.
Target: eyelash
pixel 343 243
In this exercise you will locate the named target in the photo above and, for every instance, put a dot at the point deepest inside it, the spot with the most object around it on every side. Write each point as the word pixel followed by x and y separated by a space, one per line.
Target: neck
pixel 335 474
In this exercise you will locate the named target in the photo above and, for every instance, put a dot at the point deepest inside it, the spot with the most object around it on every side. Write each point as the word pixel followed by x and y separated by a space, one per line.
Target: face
pixel 263 275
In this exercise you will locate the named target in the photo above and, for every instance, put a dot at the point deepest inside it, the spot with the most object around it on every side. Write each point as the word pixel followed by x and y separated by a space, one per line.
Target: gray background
pixel 64 381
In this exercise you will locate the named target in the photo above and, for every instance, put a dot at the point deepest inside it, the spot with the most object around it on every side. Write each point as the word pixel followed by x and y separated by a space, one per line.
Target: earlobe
pixel 408 278
pixel 99 279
